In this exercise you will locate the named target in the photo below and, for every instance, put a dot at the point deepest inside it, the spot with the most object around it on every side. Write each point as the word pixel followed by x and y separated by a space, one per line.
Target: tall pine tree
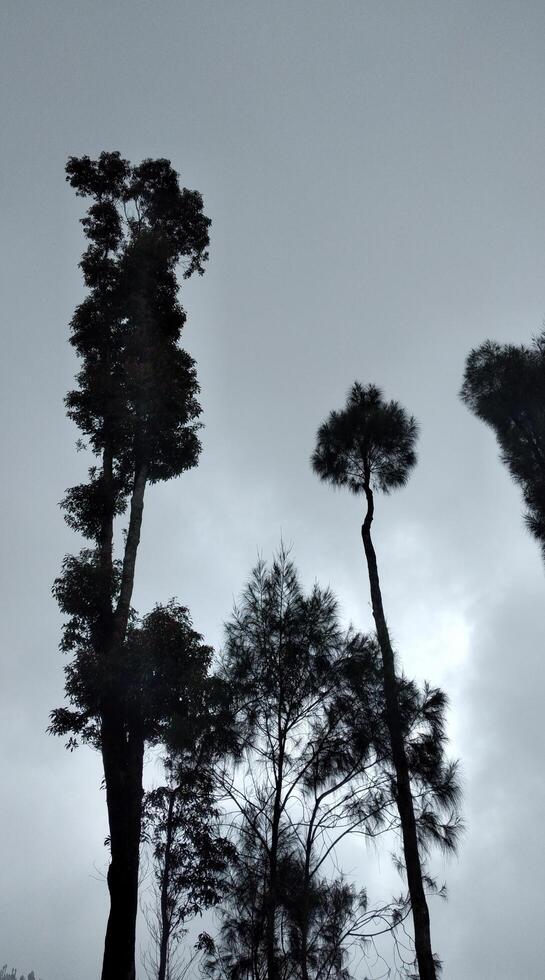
pixel 369 446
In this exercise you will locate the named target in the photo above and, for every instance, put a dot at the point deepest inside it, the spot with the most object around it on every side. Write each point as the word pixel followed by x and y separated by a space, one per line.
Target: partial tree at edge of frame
pixel 504 386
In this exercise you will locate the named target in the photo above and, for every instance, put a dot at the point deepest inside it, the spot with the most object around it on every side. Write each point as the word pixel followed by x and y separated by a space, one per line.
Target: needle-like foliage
pixel 366 446
pixel 315 765
pixel 369 441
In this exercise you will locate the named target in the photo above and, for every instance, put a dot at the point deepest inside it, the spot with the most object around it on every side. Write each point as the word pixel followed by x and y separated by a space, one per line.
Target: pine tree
pixel 370 445
pixel 315 766
pixel 279 645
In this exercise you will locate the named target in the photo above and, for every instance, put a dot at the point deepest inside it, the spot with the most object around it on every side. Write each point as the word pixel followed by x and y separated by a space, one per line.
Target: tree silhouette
pixel 504 385
pixel 279 647
pixel 191 857
pixel 331 910
pixel 316 766
pixel 135 404
pixel 368 446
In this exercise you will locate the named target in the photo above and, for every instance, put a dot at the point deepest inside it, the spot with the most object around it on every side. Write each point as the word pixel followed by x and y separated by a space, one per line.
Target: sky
pixel 374 174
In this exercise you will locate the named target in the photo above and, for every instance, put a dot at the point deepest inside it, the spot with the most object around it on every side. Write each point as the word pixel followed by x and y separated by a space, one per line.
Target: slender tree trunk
pixel 103 628
pixel 271 897
pixel 304 943
pixel 270 926
pixel 305 900
pixel 165 881
pixel 129 558
pixel 421 919
pixel 122 746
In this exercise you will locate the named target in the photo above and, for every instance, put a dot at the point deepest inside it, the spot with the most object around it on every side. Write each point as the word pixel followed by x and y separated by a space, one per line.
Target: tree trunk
pixel 271 899
pixel 123 757
pixel 103 629
pixel 305 899
pixel 129 558
pixel 421 919
pixel 123 764
pixel 164 935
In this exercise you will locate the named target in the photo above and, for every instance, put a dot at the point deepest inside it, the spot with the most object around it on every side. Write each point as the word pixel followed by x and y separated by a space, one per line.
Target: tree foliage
pixel 369 442
pixel 504 385
pixel 135 403
pixel 183 821
pixel 191 858
pixel 135 400
pixel 315 766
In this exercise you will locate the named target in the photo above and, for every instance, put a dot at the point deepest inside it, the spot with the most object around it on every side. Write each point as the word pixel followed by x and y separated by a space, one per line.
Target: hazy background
pixel 374 172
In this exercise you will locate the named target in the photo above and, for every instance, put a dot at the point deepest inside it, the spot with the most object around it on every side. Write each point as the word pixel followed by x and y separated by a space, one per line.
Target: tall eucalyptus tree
pixel 367 446
pixel 135 404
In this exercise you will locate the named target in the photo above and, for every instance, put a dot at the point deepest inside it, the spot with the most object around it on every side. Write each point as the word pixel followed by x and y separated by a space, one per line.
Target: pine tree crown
pixel 370 443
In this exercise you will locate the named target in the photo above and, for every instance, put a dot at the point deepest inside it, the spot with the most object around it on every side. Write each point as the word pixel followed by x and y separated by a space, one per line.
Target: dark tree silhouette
pixel 279 646
pixel 308 699
pixel 135 404
pixel 367 446
pixel 504 385
pixel 331 912
pixel 191 857
pixel 240 951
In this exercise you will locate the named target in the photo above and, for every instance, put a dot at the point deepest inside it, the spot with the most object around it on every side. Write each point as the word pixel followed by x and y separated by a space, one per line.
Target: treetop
pixel 370 443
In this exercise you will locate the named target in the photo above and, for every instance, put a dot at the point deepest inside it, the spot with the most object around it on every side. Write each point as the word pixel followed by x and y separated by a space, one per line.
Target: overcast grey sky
pixel 374 172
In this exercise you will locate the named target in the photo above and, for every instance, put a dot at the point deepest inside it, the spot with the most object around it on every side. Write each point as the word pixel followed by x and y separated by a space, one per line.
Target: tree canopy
pixel 504 386
pixel 369 442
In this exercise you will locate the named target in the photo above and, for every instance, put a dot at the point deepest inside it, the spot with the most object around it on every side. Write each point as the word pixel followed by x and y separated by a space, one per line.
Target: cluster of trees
pixel 314 766
pixel 301 734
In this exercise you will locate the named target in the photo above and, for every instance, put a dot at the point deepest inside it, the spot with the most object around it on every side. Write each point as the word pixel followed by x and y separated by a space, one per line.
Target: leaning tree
pixel 504 385
pixel 367 446
pixel 135 405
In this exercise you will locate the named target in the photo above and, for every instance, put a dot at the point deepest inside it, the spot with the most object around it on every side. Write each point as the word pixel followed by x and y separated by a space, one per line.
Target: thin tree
pixel 191 857
pixel 370 445
pixel 504 385
pixel 135 404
